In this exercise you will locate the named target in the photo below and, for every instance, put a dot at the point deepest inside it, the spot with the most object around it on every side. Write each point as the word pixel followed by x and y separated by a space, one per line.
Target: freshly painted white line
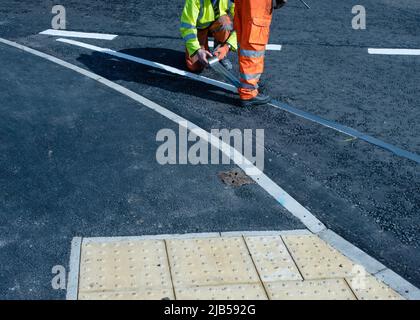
pixel 388 276
pixel 272 47
pixel 399 284
pixel 358 256
pixel 121 55
pixel 404 52
pixel 73 277
pixel 75 34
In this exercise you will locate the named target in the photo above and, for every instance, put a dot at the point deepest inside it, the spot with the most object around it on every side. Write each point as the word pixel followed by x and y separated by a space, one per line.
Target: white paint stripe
pixel 392 279
pixel 288 202
pixel 157 65
pixel 272 47
pixel 75 34
pixel 73 278
pixel 404 52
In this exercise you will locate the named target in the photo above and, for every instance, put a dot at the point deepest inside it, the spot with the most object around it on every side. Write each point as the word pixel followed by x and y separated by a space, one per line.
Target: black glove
pixel 277 4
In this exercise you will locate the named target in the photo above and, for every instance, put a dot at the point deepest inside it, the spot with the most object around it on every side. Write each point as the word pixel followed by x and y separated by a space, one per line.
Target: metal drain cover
pixel 235 177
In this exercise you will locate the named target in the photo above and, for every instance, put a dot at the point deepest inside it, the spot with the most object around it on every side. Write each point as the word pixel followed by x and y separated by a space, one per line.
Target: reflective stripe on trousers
pixel 252 25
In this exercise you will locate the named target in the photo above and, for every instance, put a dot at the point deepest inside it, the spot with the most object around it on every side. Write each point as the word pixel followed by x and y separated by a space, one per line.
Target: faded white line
pixel 157 65
pixel 403 52
pixel 75 34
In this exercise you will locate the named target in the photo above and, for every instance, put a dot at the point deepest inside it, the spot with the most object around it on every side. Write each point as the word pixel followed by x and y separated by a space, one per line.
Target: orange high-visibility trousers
pixel 252 24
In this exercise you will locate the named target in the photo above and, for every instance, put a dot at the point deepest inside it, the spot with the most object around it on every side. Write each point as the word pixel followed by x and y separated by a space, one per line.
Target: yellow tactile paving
pixel 209 262
pixel 229 292
pixel 370 288
pixel 316 259
pixel 328 289
pixel 222 268
pixel 272 259
pixel 136 266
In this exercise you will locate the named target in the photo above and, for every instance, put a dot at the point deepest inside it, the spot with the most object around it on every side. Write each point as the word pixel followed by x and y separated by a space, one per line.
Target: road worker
pixel 252 21
pixel 202 19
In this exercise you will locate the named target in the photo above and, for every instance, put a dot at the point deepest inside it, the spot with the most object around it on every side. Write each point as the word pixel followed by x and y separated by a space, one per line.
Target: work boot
pixel 227 64
pixel 262 86
pixel 259 100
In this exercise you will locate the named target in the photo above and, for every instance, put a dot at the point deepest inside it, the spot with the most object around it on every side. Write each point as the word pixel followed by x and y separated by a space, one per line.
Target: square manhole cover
pixel 235 177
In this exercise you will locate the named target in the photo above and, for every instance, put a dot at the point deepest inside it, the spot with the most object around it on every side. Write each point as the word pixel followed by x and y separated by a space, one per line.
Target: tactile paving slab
pixel 272 258
pixel 123 267
pixel 328 289
pixel 235 267
pixel 316 259
pixel 369 288
pixel 210 262
pixel 229 292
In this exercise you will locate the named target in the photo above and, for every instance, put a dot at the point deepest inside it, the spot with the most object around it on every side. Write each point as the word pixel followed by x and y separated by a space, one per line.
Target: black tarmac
pixel 79 159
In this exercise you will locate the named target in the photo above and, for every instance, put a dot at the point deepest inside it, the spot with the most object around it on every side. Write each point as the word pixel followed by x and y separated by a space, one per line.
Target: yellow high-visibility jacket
pixel 199 14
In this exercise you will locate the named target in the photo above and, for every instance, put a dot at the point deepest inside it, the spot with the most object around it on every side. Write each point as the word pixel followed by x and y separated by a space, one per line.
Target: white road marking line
pixel 75 34
pixel 404 52
pixel 272 47
pixel 121 55
pixel 310 221
pixel 73 278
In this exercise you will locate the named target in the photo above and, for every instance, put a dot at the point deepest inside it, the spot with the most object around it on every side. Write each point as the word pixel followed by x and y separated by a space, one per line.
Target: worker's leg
pixel 255 20
pixel 221 29
pixel 192 62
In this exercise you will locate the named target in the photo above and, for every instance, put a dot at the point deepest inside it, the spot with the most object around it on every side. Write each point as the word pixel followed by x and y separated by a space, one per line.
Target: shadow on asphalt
pixel 116 69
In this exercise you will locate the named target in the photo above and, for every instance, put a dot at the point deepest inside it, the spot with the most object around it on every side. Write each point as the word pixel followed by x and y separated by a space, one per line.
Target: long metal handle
pixel 216 66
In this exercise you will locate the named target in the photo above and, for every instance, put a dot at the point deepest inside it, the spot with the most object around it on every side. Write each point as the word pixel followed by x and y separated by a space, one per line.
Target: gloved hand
pixel 279 3
pixel 221 51
pixel 202 56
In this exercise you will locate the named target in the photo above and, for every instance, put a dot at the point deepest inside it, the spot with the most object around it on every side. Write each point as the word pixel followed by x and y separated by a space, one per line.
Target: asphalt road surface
pixel 78 159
